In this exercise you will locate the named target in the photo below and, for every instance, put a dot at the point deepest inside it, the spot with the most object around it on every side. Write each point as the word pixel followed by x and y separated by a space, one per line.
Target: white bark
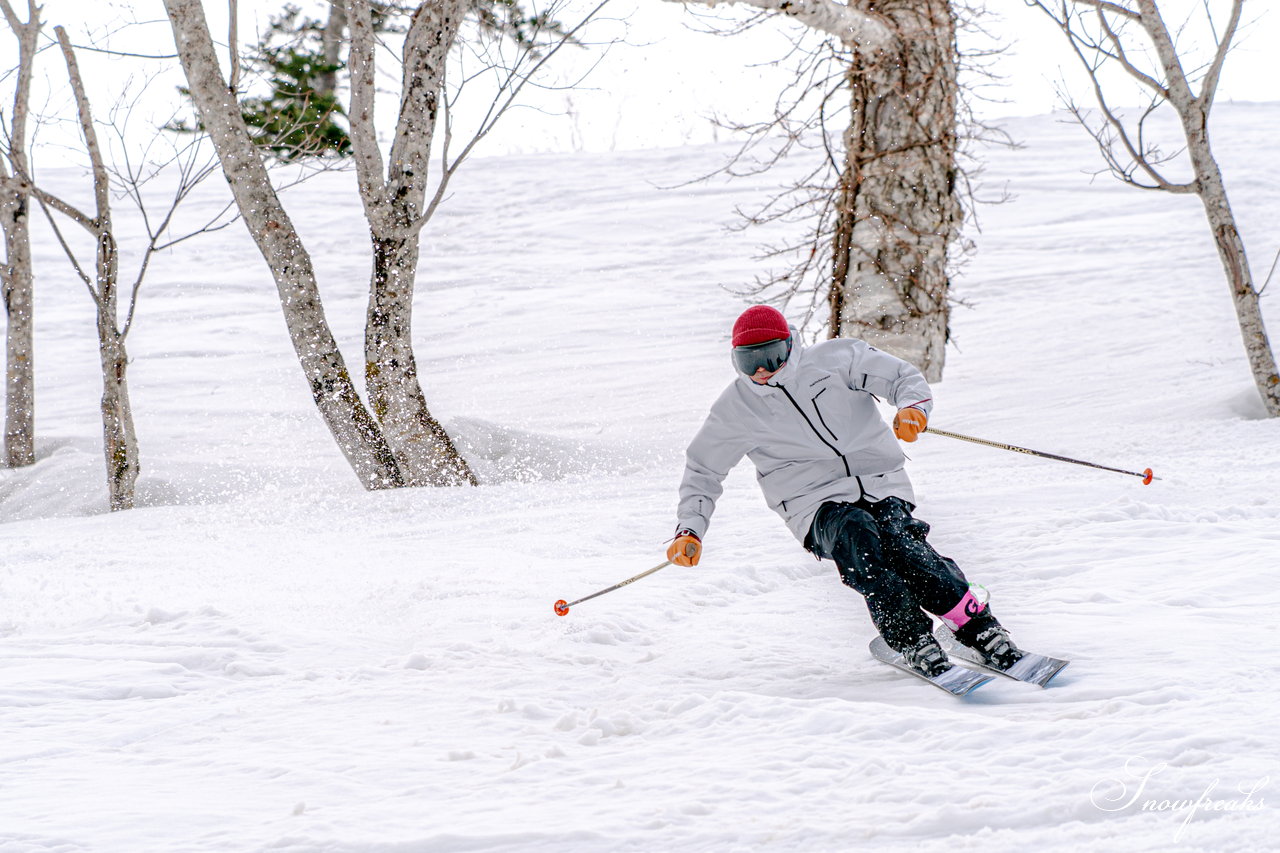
pixel 393 203
pixel 898 207
pixel 862 30
pixel 354 429
pixel 1192 110
pixel 120 442
pixel 16 278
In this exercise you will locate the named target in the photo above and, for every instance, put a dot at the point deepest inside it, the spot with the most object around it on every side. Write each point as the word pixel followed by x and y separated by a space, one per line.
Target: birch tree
pixel 895 207
pixel 16 277
pixel 394 196
pixel 102 279
pixel 399 442
pixel 1132 36
pixel 120 443
pixel 394 193
pixel 355 430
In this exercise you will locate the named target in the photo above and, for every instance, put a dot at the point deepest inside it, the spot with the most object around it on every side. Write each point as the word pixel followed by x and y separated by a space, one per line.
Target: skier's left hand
pixel 909 423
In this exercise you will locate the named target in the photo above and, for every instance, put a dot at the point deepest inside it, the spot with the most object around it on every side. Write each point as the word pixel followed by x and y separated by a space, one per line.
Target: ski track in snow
pixel 264 657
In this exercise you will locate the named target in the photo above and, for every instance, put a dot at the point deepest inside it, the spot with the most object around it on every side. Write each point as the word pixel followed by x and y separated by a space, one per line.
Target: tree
pixel 354 429
pixel 394 198
pixel 892 214
pixel 898 211
pixel 120 443
pixel 16 275
pixel 399 443
pixel 1132 35
pixel 394 194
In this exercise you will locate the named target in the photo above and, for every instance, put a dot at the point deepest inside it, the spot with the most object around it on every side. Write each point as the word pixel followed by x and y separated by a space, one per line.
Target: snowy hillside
pixel 265 657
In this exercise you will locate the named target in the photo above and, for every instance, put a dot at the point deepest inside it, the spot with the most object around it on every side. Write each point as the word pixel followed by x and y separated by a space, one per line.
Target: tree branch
pixel 27 34
pixel 1121 56
pixel 364 138
pixel 71 256
pixel 1105 5
pixel 23 183
pixel 516 80
pixel 862 31
pixel 233 43
pixel 101 181
pixel 1209 86
pixel 1139 156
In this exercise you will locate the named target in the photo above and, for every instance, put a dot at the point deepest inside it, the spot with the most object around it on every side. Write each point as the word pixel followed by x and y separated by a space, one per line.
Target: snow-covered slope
pixel 263 656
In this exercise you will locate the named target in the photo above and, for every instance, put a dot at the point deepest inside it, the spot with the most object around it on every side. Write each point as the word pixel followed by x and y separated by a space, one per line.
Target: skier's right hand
pixel 686 549
pixel 909 423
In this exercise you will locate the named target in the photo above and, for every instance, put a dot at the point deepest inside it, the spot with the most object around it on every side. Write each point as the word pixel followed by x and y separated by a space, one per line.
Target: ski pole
pixel 562 608
pixel 1146 475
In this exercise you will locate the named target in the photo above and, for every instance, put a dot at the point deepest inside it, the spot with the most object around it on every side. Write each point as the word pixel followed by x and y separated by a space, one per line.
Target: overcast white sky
pixel 657 89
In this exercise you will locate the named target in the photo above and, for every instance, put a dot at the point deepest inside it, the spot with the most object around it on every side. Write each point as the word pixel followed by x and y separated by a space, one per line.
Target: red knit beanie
pixel 758 324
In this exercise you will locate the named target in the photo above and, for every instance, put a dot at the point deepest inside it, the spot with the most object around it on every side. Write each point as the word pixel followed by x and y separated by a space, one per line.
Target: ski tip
pixel 562 608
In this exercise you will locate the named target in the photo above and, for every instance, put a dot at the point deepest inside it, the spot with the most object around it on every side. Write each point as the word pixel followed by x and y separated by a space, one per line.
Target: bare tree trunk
pixel 846 204
pixel 353 428
pixel 1194 114
pixel 391 375
pixel 1253 329
pixel 1099 34
pixel 120 442
pixel 331 39
pixel 393 206
pixel 16 275
pixel 19 422
pixel 899 211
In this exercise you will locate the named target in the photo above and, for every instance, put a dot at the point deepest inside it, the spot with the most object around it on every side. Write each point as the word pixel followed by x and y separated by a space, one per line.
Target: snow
pixel 264 657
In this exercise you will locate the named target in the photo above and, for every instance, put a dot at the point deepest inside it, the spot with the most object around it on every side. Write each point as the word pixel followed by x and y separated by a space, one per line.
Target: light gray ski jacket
pixel 814 434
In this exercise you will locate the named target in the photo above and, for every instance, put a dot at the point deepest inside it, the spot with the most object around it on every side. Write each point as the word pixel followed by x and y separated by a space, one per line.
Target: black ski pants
pixel 882 553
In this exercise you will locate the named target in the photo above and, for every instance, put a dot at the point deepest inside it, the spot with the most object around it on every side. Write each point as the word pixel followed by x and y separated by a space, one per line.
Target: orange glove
pixel 909 423
pixel 686 550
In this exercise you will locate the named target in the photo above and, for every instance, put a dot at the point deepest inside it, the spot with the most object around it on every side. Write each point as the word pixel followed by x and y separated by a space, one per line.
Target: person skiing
pixel 828 464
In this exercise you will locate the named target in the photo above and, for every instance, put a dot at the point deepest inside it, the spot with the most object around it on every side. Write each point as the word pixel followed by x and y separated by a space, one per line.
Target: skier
pixel 828 464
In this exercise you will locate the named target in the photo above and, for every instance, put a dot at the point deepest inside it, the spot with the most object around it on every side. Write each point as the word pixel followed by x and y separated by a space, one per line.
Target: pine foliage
pixel 299 115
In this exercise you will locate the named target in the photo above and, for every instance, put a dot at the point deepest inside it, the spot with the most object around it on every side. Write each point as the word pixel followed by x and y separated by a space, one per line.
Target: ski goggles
pixel 770 355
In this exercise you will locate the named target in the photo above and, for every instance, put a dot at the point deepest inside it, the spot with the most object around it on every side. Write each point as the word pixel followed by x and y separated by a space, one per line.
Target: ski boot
pixel 926 657
pixel 989 638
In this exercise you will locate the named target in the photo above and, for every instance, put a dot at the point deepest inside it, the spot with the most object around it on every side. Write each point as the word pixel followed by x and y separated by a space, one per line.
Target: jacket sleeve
pixel 718 446
pixel 889 377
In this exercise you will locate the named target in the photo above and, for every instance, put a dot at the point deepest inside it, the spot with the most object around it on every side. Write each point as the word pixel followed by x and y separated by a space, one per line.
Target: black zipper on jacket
pixel 821 419
pixel 848 472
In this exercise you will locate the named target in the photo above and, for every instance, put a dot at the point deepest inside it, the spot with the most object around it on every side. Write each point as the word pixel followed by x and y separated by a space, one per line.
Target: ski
pixel 958 680
pixel 1032 668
